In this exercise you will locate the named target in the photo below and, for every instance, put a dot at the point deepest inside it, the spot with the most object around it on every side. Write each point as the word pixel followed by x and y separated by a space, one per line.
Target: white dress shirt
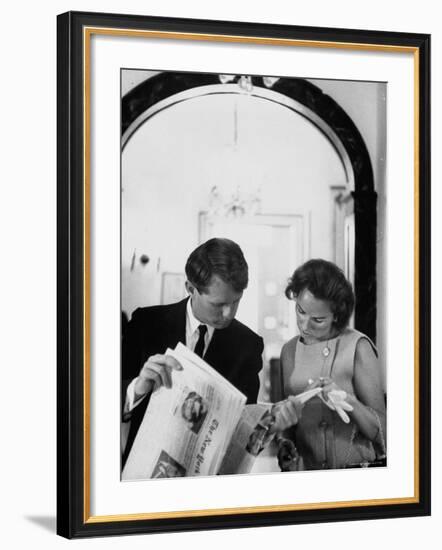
pixel 192 332
pixel 192 335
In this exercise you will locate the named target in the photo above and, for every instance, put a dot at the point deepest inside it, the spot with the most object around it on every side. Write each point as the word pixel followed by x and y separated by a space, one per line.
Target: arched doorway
pixel 165 89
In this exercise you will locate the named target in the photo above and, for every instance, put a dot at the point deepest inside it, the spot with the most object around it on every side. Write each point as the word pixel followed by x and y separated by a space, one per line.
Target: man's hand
pixel 156 372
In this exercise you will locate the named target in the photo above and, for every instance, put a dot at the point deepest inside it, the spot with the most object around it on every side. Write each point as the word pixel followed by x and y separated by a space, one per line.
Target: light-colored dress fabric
pixel 322 438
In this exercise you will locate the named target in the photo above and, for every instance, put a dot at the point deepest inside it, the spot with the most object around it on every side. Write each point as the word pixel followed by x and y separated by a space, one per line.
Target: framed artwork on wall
pixel 173 287
pixel 298 143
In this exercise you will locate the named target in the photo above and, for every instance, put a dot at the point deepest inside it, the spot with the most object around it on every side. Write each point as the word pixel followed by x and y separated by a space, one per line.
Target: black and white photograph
pixel 167 467
pixel 253 232
pixel 194 411
pixel 258 439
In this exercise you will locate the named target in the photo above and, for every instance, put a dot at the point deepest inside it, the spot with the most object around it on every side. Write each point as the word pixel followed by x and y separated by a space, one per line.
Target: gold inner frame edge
pixel 87 33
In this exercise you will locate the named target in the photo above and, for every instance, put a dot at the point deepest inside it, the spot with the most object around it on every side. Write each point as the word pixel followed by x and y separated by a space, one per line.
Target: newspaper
pixel 201 426
pixel 186 429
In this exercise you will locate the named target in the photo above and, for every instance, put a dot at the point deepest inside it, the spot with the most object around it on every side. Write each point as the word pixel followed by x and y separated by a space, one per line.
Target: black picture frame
pixel 73 512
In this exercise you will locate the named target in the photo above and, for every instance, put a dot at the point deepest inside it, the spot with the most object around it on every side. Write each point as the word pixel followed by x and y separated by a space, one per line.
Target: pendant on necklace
pixel 326 351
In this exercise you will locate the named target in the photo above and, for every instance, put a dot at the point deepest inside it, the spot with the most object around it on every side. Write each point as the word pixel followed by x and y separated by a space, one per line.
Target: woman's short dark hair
pixel 221 257
pixel 326 282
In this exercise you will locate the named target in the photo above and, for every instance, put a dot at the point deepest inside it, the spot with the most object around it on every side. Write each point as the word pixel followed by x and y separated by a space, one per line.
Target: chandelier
pixel 245 84
pixel 235 202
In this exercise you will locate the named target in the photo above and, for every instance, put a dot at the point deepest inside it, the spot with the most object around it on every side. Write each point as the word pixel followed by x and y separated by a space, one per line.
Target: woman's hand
pixel 286 414
pixel 336 399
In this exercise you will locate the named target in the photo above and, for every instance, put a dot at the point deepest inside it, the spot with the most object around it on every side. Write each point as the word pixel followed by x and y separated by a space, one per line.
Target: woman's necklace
pixel 326 350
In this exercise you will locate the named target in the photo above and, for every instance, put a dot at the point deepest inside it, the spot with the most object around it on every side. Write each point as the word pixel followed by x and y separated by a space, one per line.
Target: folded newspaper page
pixel 251 436
pixel 186 429
pixel 201 426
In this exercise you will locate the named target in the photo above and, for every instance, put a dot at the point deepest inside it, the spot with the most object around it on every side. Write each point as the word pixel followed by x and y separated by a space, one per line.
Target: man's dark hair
pixel 326 282
pixel 221 257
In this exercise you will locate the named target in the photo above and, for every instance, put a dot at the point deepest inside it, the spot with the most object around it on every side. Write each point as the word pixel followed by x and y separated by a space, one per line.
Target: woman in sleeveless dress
pixel 344 424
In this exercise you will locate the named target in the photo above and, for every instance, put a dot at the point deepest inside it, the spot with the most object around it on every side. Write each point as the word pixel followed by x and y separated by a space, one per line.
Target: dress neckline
pixel 321 343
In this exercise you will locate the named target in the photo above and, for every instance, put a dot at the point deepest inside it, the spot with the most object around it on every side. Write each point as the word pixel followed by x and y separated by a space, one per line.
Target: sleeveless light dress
pixel 324 440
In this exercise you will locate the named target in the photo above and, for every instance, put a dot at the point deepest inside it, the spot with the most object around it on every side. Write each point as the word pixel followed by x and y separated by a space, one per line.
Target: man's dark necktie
pixel 199 348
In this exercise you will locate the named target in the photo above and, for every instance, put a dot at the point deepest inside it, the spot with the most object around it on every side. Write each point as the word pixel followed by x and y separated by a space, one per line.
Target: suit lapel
pixel 176 323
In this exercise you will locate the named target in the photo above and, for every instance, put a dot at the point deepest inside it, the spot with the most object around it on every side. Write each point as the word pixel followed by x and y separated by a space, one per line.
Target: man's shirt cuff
pixel 130 402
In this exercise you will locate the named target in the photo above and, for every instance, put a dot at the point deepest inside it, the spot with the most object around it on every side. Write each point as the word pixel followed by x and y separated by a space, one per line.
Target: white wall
pixel 171 163
pixel 28 272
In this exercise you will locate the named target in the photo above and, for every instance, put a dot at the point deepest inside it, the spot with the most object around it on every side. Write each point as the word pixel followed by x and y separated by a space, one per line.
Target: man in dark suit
pixel 217 274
